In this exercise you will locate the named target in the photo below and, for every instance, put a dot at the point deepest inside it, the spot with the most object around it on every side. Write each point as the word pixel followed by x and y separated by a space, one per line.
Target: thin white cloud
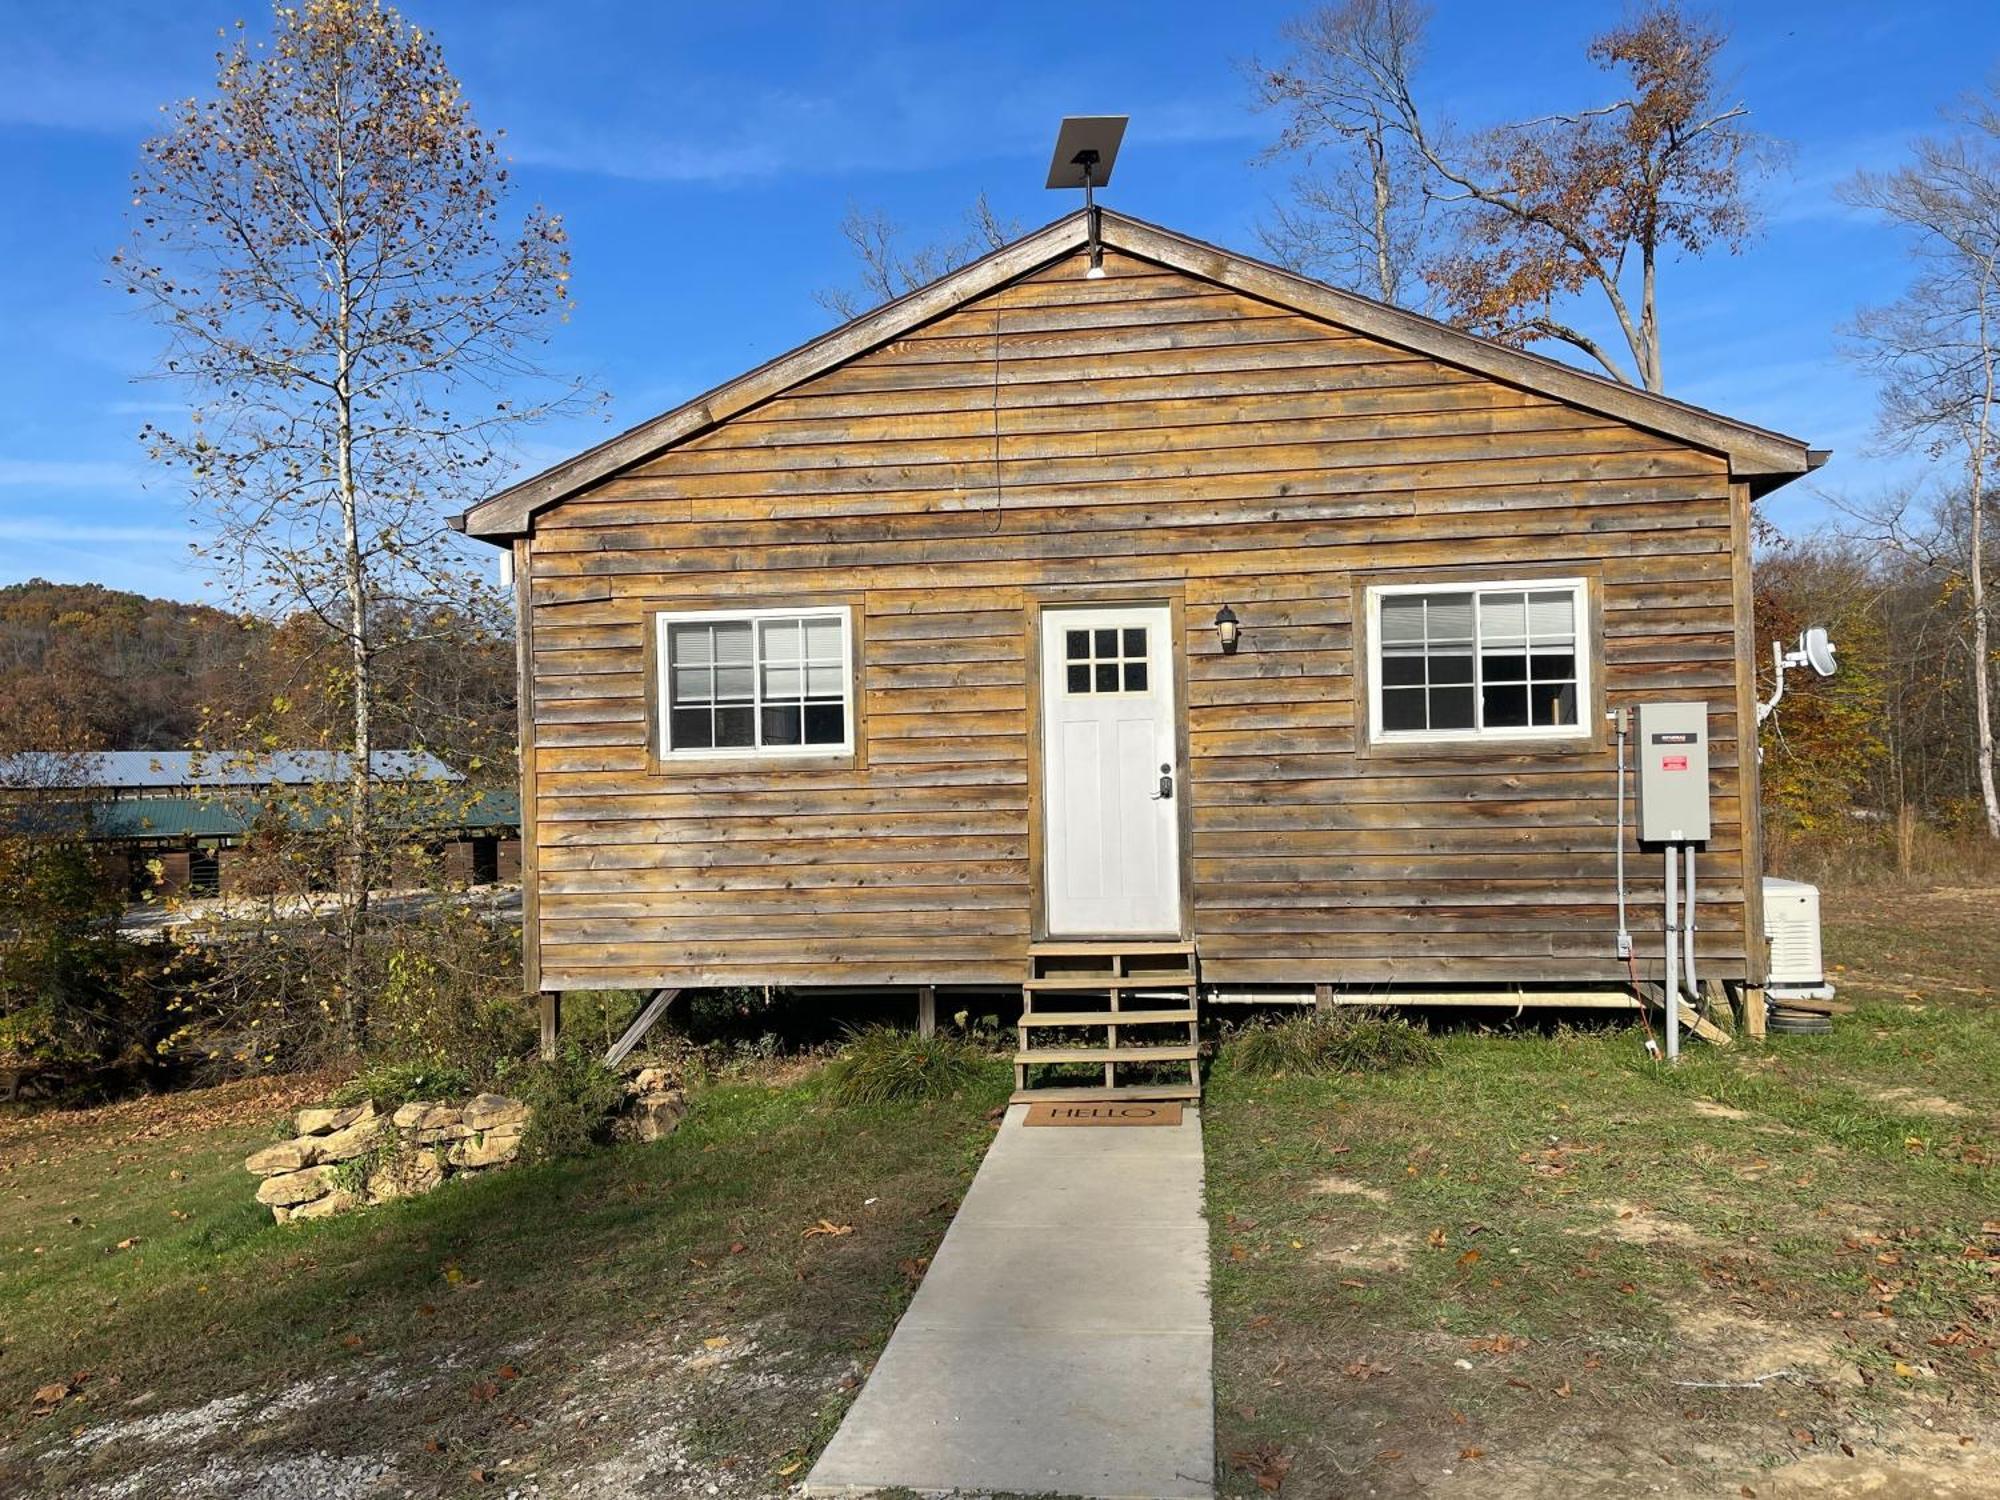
pixel 84 533
pixel 69 474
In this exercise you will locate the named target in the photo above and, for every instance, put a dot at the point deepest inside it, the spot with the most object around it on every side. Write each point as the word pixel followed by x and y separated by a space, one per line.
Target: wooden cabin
pixel 1189 630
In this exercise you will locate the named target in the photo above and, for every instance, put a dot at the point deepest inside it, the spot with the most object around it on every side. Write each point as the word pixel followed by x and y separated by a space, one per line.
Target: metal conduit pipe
pixel 1624 932
pixel 1673 982
pixel 1688 980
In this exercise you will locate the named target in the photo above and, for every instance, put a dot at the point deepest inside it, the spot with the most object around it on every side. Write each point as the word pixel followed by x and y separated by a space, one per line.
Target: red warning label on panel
pixel 1673 762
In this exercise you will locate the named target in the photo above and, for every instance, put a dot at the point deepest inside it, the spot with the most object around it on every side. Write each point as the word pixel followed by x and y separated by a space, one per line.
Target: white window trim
pixel 664 686
pixel 1581 730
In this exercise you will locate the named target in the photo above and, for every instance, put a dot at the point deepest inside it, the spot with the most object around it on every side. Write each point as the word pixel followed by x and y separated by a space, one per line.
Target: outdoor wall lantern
pixel 1226 628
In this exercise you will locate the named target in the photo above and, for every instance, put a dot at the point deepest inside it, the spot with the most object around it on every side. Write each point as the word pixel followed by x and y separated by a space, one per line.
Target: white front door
pixel 1110 780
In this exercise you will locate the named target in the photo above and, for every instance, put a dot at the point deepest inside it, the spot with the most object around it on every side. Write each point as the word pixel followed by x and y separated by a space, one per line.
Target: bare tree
pixel 1936 353
pixel 1534 213
pixel 888 271
pixel 323 241
pixel 1357 214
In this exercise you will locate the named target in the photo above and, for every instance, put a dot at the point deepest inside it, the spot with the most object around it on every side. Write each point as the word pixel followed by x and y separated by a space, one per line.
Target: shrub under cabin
pixel 1194 630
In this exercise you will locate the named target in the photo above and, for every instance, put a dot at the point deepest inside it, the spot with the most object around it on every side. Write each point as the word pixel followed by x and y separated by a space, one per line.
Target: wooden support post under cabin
pixel 1717 1007
pixel 1322 996
pixel 1753 1012
pixel 927 1010
pixel 641 1024
pixel 551 1003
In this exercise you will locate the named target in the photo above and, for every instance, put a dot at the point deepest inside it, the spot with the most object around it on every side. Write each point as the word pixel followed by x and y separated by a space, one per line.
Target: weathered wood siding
pixel 1164 436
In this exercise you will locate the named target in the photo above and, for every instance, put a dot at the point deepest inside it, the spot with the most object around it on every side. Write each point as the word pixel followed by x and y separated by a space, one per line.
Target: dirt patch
pixel 1923 1104
pixel 1347 1187
pixel 1640 1224
pixel 1716 1111
pixel 1719 1341
pixel 1388 1250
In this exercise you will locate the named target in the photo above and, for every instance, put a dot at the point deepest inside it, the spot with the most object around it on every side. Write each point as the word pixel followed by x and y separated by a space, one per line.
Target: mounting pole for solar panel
pixel 1086 149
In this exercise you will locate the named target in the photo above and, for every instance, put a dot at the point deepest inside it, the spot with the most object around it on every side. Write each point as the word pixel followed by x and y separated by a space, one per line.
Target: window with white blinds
pixel 756 682
pixel 1502 661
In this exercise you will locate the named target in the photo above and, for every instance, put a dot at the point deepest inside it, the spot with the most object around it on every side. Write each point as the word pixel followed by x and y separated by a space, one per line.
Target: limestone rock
pixel 327 1119
pixel 489 1149
pixel 493 1111
pixel 652 1081
pixel 339 1201
pixel 427 1114
pixel 345 1145
pixel 289 1189
pixel 286 1156
pixel 440 1134
pixel 653 1116
pixel 406 1176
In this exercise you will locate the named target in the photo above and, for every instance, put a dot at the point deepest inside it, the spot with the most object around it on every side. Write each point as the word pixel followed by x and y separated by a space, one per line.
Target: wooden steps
pixel 1121 1032
pixel 1056 1094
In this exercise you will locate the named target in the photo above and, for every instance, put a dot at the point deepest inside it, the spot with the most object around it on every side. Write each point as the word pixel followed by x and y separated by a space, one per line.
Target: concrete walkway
pixel 1061 1340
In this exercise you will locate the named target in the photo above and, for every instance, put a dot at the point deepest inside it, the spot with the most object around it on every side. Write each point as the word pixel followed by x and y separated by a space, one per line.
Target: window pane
pixel 1552 617
pixel 1135 677
pixel 782 725
pixel 1403 668
pixel 1450 667
pixel 1448 617
pixel 1503 619
pixel 732 684
pixel 1135 642
pixel 781 640
pixel 690 644
pixel 732 642
pixel 1403 708
pixel 825 680
pixel 1506 705
pixel 784 682
pixel 1451 708
pixel 1107 642
pixel 1079 677
pixel 1403 618
pixel 1555 666
pixel 689 729
pixel 1076 645
pixel 691 685
pixel 1107 677
pixel 823 638
pixel 1555 702
pixel 1504 666
pixel 734 728
pixel 826 723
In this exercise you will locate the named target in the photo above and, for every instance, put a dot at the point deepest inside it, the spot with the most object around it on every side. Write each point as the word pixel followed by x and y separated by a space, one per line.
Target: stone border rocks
pixel 348 1157
pixel 352 1156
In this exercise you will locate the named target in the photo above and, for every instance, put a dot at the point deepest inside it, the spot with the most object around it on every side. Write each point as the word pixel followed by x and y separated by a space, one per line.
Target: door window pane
pixel 1106 660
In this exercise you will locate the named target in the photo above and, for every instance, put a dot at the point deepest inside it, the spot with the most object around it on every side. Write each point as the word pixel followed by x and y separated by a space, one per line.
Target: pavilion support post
pixel 551 1004
pixel 927 1010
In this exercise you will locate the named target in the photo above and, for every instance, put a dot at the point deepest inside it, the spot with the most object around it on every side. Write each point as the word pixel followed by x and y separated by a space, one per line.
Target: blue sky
pixel 704 155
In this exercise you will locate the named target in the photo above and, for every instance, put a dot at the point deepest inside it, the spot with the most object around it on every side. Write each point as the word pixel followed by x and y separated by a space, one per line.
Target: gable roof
pixel 1766 459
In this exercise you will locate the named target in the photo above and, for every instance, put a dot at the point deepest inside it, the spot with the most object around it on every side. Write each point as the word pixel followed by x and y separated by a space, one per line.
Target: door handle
pixel 1166 791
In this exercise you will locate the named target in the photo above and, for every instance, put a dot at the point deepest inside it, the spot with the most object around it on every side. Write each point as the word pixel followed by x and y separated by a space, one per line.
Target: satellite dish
pixel 1817 648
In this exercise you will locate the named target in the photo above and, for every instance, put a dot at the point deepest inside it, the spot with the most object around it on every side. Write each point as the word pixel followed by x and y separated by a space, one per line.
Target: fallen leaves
pixel 826 1229
pixel 1267 1465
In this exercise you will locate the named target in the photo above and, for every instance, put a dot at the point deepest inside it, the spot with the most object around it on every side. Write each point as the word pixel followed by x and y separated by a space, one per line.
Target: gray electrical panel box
pixel 1673 773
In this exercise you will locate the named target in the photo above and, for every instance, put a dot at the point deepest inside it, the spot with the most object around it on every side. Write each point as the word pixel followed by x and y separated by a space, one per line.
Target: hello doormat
pixel 1128 1112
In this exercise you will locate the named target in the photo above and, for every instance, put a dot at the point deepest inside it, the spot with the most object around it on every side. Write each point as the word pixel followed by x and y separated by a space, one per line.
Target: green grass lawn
pixel 1507 1265
pixel 500 1325
pixel 1545 1266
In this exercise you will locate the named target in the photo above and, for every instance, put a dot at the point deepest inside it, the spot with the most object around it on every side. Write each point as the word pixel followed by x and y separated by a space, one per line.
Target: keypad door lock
pixel 1166 792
